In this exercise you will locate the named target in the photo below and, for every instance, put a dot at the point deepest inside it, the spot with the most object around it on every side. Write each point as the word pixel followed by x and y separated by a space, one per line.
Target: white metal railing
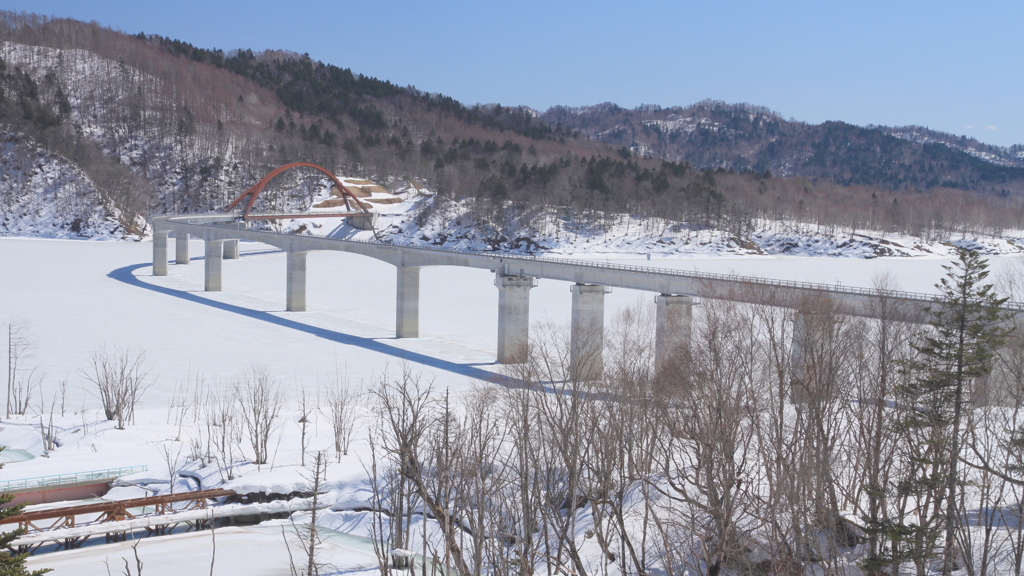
pixel 829 288
pixel 63 479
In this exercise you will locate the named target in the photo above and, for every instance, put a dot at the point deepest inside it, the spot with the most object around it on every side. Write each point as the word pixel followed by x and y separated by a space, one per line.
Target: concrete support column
pixel 513 317
pixel 231 249
pixel 587 338
pixel 1003 385
pixel 798 357
pixel 181 247
pixel 160 253
pixel 214 249
pixel 674 325
pixel 407 296
pixel 295 298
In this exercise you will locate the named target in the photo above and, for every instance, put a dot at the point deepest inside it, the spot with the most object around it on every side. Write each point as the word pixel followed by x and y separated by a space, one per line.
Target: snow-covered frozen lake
pixel 78 296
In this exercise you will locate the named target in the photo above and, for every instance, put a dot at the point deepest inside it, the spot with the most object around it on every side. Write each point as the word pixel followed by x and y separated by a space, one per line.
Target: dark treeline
pixel 324 89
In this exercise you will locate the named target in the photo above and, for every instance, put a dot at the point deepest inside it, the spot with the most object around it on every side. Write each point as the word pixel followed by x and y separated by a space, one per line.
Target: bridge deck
pixel 856 301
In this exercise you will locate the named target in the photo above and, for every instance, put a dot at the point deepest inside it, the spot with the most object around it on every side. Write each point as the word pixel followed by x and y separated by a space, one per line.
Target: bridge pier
pixel 816 335
pixel 674 315
pixel 214 250
pixel 231 249
pixel 798 350
pixel 160 253
pixel 1004 385
pixel 586 344
pixel 295 293
pixel 513 317
pixel 407 297
pixel 181 247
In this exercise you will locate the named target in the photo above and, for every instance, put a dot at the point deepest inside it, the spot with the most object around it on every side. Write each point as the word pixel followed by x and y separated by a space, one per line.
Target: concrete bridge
pixel 515 275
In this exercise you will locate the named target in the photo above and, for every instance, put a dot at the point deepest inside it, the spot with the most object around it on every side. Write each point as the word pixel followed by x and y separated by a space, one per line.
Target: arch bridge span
pixel 515 275
pixel 253 193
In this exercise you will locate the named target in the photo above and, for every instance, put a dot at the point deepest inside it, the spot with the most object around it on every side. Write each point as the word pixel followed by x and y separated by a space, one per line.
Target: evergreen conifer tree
pixel 967 328
pixel 12 564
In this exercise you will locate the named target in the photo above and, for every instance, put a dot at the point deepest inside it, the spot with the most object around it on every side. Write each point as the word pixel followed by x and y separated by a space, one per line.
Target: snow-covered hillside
pixel 131 135
pixel 555 231
pixel 45 195
pixel 416 216
pixel 1003 156
pixel 126 128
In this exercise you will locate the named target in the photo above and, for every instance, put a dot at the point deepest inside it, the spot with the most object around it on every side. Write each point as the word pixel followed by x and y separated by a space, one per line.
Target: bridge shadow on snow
pixel 126 275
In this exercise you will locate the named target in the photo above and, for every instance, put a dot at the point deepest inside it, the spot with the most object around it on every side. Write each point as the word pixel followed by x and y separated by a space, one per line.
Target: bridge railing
pixel 41 482
pixel 770 282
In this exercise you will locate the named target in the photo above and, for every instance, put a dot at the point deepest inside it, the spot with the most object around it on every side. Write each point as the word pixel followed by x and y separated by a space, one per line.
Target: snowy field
pixel 77 296
pixel 248 550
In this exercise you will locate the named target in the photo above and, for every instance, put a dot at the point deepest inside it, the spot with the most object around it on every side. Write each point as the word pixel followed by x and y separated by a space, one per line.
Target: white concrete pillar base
pixel 407 298
pixel 798 393
pixel 513 317
pixel 160 253
pixel 181 247
pixel 231 249
pixel 213 263
pixel 295 293
pixel 586 345
pixel 674 326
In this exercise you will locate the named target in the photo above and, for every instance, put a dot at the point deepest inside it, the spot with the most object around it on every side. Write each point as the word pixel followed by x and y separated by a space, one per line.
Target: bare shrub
pixel 345 408
pixel 303 423
pixel 170 453
pixel 121 378
pixel 308 533
pixel 48 432
pixel 20 381
pixel 223 426
pixel 186 402
pixel 260 399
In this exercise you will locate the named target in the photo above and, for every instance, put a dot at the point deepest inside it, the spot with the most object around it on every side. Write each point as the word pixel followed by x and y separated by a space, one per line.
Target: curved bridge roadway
pixel 514 277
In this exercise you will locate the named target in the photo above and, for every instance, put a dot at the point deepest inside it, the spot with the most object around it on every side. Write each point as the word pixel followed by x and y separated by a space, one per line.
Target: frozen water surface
pixel 78 296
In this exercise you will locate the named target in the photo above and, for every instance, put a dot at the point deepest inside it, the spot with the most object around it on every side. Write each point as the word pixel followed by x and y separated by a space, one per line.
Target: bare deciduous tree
pixel 308 534
pixel 345 408
pixel 707 455
pixel 223 426
pixel 19 381
pixel 170 453
pixel 404 408
pixel 121 378
pixel 260 399
pixel 303 423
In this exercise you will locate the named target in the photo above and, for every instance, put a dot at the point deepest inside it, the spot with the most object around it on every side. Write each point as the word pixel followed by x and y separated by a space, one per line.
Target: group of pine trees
pixel 968 328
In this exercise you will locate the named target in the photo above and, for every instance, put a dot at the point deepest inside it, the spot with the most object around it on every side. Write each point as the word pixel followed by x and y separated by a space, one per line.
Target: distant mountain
pixel 712 134
pixel 1004 156
pixel 103 128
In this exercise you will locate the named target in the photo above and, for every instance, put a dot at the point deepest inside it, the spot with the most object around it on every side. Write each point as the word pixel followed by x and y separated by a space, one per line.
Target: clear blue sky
pixel 952 66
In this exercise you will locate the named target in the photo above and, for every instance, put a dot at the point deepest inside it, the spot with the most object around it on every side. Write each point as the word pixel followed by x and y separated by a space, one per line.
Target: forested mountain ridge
pixel 708 134
pixel 155 125
pixel 739 137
